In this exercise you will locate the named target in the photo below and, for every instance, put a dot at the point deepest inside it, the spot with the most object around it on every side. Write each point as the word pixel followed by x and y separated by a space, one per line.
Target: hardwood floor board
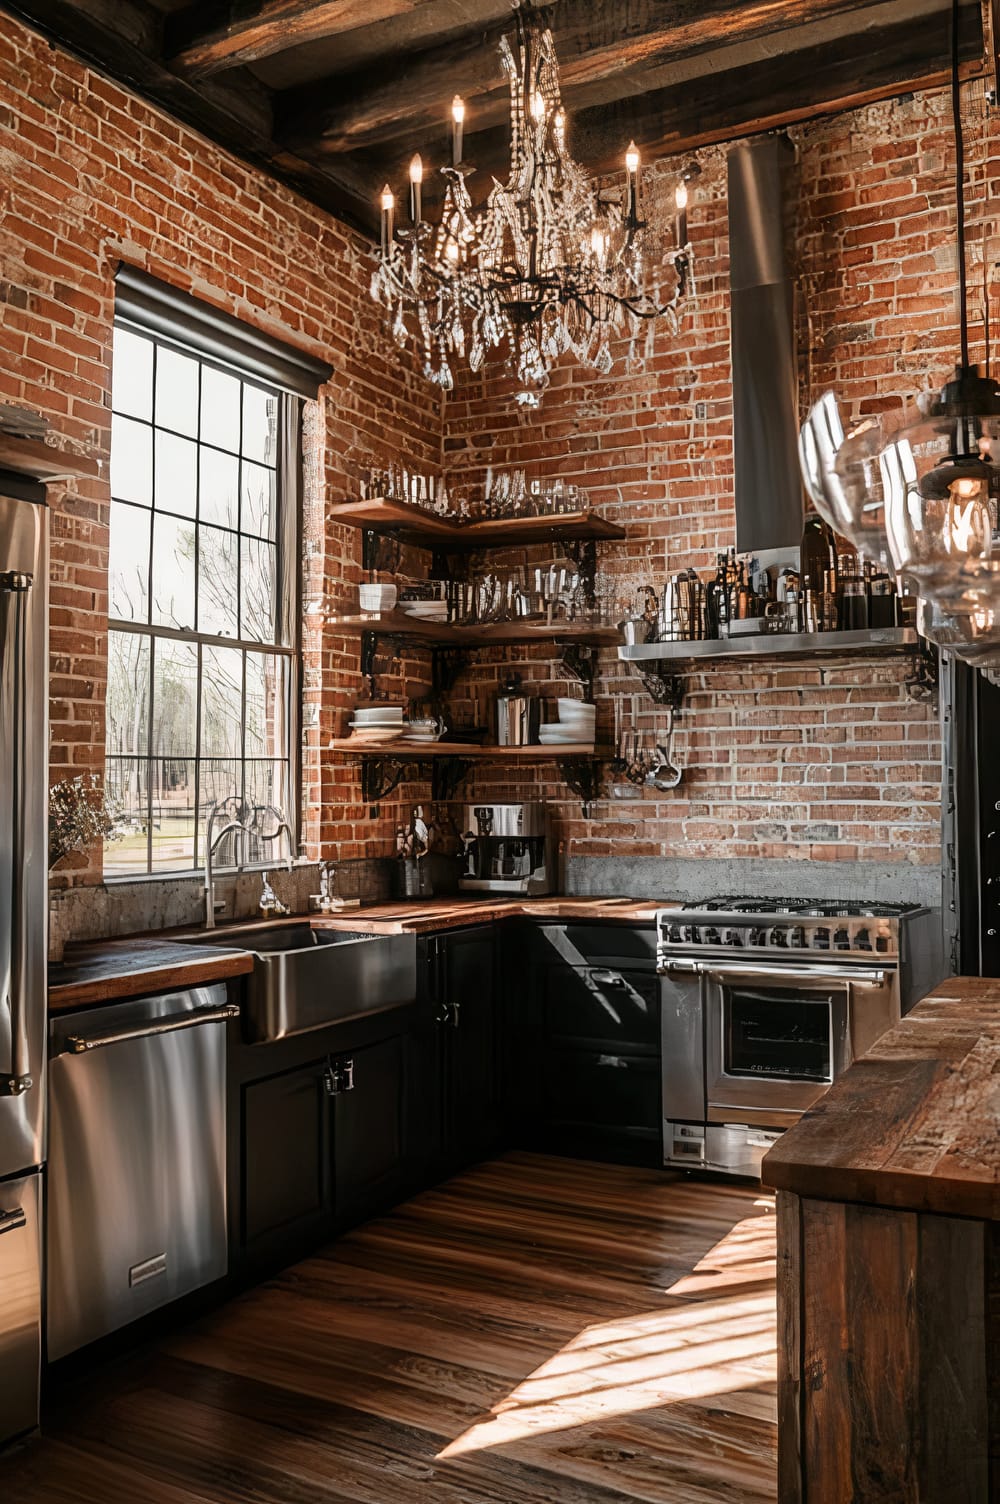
pixel 537 1331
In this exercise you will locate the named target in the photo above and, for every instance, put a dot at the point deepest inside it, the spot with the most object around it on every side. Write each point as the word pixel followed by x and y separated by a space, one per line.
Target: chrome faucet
pixel 239 823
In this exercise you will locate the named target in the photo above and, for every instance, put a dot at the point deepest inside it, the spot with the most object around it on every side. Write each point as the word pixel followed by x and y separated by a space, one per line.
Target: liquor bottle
pixel 818 561
pixel 852 594
pixel 716 602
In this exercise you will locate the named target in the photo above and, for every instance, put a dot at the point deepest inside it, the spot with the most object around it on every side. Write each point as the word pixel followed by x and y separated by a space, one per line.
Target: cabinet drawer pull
pixel 608 978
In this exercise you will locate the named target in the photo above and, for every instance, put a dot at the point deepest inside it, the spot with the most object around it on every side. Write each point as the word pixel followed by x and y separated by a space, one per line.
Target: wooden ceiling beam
pixel 595 42
pixel 202 40
pixel 717 107
pixel 105 34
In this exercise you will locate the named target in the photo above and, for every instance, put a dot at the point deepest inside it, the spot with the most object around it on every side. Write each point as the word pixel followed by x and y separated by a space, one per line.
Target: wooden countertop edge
pixel 908 1126
pixel 604 911
pixel 199 971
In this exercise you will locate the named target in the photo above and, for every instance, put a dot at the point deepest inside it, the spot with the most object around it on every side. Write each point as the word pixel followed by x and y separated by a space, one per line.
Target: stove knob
pixel 862 940
pixel 821 938
pixel 779 937
pixel 841 940
pixel 797 937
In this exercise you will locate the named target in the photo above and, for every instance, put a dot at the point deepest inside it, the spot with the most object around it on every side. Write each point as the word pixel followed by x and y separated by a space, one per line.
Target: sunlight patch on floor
pixel 715 1336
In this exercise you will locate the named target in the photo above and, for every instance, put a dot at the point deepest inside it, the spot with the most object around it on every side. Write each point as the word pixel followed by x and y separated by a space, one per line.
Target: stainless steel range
pixel 765 1001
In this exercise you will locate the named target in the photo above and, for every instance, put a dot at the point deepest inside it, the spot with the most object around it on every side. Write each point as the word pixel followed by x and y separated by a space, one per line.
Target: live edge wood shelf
pixel 477 635
pixel 423 530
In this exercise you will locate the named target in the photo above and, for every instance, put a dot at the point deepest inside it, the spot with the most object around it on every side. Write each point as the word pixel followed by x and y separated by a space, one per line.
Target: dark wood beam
pixel 715 107
pixel 205 39
pixel 595 41
pixel 106 34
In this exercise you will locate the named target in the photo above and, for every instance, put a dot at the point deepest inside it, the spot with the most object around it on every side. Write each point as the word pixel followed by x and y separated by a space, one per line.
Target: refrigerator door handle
pixel 12 1220
pixel 16 587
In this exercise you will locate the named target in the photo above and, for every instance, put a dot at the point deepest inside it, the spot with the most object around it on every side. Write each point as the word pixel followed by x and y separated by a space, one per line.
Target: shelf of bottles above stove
pixel 774 645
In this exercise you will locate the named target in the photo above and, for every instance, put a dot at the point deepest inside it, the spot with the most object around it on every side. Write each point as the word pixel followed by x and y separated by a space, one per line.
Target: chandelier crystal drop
pixel 551 263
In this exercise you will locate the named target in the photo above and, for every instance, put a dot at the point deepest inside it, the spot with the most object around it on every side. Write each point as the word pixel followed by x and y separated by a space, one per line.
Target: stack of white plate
pixel 377 723
pixel 577 725
pixel 427 610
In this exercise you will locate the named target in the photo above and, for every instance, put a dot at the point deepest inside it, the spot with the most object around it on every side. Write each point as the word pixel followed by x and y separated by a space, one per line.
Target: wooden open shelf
pixel 344 745
pixel 43 462
pixel 423 530
pixel 479 635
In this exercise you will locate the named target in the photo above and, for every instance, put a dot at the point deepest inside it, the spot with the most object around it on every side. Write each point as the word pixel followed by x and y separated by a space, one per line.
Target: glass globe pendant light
pixel 851 502
pixel 933 482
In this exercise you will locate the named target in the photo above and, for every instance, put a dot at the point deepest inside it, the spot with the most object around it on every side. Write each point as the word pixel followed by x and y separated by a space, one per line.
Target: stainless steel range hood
pixel 769 503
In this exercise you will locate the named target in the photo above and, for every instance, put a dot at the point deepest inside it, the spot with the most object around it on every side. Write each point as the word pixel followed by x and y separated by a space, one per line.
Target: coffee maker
pixel 506 848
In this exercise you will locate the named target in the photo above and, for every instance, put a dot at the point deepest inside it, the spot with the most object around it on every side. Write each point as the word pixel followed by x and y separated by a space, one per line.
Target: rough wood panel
pixel 617 1346
pixel 203 44
pixel 826 1433
pixel 788 1276
pixel 916 1122
pixel 952 1401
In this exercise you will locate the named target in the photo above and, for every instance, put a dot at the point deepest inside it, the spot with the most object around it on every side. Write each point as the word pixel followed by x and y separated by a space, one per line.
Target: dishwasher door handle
pixel 12 1220
pixel 80 1044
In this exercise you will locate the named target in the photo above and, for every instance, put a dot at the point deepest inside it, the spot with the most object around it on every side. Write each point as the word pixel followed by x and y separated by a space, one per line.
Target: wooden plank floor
pixel 537 1331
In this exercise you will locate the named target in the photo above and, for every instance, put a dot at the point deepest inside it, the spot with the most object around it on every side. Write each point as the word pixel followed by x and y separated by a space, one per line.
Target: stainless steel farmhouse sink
pixel 306 979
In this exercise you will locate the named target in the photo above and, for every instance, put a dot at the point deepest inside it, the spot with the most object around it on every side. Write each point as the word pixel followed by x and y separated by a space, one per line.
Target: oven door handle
pixel 815 976
pixel 685 968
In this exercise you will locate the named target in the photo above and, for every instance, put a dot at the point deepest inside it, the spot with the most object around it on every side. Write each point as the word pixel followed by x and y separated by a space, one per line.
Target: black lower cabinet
pixel 462 1001
pixel 286 1184
pixel 369 1104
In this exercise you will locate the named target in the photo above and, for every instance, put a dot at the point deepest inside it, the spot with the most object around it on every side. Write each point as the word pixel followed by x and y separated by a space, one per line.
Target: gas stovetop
pixel 849 927
pixel 814 908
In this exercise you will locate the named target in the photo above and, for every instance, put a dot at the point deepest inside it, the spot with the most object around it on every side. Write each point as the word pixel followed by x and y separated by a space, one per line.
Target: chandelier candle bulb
pixel 457 123
pixel 416 181
pixel 681 200
pixel 388 205
pixel 632 174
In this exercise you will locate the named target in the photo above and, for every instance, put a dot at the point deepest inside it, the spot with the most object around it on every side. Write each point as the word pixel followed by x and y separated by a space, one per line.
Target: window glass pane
pixel 220 479
pixel 132 461
pixel 128 565
pixel 266 705
pixel 176 474
pixel 173 823
pixel 217 584
pixel 173 572
pixel 176 392
pixel 267 783
pixel 257 563
pixel 127 711
pixel 220 779
pixel 175 699
pixel 220 409
pixel 257 515
pixel 132 375
pixel 222 703
pixel 127 781
pixel 260 425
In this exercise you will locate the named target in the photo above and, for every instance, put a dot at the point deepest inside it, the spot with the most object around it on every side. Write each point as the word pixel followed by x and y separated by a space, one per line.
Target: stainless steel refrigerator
pixel 23 946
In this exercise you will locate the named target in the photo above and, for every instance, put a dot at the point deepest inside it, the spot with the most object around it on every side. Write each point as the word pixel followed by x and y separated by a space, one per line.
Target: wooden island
pixel 889 1267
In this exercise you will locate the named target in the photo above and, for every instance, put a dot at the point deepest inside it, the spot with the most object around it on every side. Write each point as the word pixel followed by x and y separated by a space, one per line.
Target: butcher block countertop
pixel 107 970
pixel 113 969
pixel 425 917
pixel 915 1123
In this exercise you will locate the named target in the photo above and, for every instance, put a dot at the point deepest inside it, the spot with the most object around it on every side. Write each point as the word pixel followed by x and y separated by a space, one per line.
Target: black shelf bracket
pixel 381 776
pixel 380 552
pixel 584 555
pixel 447 773
pixel 581 661
pixel 582 776
pixel 921 683
pixel 663 687
pixel 369 656
pixel 446 666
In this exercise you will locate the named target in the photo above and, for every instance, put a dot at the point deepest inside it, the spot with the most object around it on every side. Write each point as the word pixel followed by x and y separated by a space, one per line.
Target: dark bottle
pixel 852 594
pixel 818 558
pixel 716 604
pixel 882 603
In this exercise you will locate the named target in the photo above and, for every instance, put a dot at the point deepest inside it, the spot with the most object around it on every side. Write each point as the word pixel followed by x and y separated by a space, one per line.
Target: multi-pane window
pixel 200 665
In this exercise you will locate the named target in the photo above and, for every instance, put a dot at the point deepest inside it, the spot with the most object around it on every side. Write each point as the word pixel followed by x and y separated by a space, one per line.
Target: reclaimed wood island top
pixel 915 1123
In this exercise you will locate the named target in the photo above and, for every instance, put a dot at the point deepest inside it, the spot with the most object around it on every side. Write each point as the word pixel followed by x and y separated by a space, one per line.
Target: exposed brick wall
pixel 91 176
pixel 828 760
pixel 812 760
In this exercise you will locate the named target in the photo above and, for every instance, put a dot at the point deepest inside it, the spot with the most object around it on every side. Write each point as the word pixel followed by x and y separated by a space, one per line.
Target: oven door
pixel 776 1037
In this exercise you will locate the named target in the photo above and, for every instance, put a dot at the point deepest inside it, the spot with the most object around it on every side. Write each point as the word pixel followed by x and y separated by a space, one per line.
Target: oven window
pixel 784 1037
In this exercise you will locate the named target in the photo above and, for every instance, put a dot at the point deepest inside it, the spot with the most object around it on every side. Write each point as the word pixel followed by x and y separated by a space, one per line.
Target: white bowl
pixel 567 708
pixel 377 597
pixel 378 715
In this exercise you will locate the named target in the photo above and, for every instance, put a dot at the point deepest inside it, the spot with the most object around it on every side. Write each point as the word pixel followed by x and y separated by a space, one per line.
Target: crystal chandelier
pixel 551 263
pixel 923 496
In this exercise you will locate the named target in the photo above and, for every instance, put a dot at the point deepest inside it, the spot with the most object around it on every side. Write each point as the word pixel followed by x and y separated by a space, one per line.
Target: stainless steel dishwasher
pixel 137 1160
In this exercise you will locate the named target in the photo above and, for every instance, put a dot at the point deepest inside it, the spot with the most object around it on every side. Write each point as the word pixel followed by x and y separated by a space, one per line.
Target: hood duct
pixel 769 504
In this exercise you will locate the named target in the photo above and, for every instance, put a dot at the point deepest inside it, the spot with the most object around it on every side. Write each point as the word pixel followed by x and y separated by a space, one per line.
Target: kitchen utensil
pixel 664 775
pixel 517 714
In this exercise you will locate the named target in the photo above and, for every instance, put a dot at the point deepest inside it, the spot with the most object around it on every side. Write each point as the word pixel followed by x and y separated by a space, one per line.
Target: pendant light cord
pixel 956 110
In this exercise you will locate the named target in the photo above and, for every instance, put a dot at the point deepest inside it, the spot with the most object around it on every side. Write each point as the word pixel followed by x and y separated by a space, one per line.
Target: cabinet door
pixel 602 1100
pixel 601 1005
pixel 286 1191
pixel 471 1042
pixel 369 1166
